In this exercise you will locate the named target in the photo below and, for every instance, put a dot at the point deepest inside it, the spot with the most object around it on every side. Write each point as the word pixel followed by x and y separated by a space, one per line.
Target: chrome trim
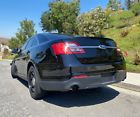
pixel 99 47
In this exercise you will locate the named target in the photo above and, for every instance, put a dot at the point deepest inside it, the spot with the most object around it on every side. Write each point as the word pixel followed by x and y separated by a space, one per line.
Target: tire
pixel 34 88
pixel 14 71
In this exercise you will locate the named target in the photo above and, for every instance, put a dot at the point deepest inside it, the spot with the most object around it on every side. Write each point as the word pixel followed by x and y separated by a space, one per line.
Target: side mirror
pixel 19 51
pixel 16 51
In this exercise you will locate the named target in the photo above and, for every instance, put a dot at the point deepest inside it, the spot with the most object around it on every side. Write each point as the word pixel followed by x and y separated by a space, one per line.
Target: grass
pixel 120 19
pixel 130 42
pixel 133 68
pixel 9 57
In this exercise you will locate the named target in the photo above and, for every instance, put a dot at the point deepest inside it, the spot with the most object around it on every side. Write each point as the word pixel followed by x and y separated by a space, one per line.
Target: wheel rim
pixel 32 81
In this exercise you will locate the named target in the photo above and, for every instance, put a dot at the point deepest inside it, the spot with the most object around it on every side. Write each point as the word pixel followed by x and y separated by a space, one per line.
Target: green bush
pixel 136 9
pixel 92 23
pixel 7 55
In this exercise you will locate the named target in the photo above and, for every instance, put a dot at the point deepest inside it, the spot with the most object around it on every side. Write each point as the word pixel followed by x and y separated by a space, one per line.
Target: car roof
pixel 54 36
pixel 57 36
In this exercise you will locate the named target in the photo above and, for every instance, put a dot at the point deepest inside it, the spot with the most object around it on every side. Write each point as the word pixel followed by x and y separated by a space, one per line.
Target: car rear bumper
pixel 83 83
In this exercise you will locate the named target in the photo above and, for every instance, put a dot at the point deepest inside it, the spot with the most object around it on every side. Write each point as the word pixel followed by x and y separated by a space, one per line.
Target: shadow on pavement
pixel 80 98
pixel 25 83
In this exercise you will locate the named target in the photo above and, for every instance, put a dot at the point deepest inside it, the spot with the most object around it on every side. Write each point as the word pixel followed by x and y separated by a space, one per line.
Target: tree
pixel 25 31
pixel 128 4
pixel 92 23
pixel 13 43
pixel 61 16
pixel 114 5
pixel 135 8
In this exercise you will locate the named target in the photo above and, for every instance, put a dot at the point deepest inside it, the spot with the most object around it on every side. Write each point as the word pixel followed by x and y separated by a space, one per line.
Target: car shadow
pixel 79 98
pixel 25 83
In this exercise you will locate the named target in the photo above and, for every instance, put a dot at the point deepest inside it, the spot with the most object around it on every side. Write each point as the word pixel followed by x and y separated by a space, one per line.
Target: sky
pixel 14 11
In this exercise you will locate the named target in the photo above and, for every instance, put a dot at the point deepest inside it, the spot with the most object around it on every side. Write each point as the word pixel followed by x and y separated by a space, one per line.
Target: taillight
pixel 118 51
pixel 80 76
pixel 67 48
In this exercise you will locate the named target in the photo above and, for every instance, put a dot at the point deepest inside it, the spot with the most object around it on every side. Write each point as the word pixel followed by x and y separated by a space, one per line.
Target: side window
pixel 42 39
pixel 25 44
pixel 29 45
pixel 34 43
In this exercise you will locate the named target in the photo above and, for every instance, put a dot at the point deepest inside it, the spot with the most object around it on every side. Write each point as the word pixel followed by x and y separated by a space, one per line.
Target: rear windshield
pixel 110 43
pixel 57 36
pixel 42 39
pixel 95 41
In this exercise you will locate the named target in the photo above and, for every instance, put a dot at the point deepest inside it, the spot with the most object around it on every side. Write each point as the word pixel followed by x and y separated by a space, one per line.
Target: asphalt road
pixel 15 101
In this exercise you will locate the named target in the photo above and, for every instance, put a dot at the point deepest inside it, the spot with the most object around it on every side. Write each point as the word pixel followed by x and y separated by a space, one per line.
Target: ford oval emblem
pixel 102 47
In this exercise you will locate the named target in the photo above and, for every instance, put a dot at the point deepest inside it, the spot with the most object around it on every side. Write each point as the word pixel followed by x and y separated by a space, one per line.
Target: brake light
pixel 67 48
pixel 80 76
pixel 119 51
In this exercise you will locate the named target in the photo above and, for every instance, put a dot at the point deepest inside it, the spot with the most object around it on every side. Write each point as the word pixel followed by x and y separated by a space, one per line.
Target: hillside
pixel 4 40
pixel 126 32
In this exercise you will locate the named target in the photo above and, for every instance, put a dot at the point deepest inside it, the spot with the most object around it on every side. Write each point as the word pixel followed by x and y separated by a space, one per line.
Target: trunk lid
pixel 97 50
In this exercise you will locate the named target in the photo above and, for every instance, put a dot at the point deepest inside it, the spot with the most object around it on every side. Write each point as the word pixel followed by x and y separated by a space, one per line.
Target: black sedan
pixel 55 62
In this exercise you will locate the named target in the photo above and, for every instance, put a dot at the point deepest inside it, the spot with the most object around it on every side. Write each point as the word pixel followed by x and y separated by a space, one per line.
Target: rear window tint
pixel 57 36
pixel 95 41
pixel 110 43
pixel 42 39
pixel 35 43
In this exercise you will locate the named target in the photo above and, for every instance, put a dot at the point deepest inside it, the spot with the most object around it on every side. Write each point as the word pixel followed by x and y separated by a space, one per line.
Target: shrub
pixel 5 53
pixel 125 54
pixel 137 59
pixel 136 9
pixel 92 23
pixel 124 33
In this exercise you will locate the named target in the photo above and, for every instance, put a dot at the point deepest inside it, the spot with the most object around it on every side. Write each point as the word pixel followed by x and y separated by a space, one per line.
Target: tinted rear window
pixel 57 36
pixel 95 41
pixel 42 39
pixel 35 43
pixel 110 43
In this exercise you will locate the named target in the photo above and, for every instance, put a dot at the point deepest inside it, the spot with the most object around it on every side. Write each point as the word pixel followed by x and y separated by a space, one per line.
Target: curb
pixel 127 86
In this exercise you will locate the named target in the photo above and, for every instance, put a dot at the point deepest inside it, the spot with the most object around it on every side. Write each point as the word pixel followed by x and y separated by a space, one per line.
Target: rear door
pixel 18 60
pixel 26 54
